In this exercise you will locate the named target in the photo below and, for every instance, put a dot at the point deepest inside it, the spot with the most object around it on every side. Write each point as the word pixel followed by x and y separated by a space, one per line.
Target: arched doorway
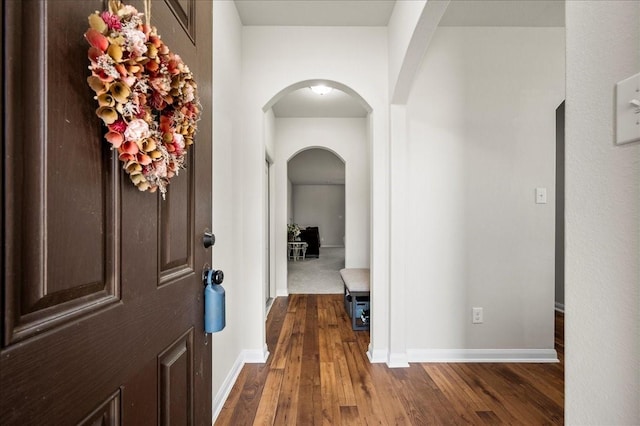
pixel 316 210
pixel 293 125
pixel 298 122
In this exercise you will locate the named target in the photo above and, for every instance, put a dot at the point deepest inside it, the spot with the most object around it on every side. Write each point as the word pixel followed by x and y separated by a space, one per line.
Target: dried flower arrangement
pixel 147 97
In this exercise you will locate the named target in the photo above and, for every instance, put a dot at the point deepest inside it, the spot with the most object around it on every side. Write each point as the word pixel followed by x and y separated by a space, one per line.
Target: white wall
pixel 269 134
pixel 402 23
pixel 410 29
pixel 602 279
pixel 228 344
pixel 347 138
pixel 277 58
pixel 481 126
pixel 322 206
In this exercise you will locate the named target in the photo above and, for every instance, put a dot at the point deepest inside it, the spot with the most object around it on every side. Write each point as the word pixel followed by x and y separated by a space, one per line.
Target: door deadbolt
pixel 208 239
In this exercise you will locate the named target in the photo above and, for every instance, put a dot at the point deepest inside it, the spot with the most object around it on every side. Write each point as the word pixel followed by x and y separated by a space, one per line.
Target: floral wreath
pixel 147 97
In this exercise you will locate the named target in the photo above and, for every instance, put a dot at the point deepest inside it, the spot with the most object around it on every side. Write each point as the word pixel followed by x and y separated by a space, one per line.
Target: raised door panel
pixel 177 226
pixel 107 414
pixel 184 11
pixel 175 373
pixel 177 211
pixel 62 239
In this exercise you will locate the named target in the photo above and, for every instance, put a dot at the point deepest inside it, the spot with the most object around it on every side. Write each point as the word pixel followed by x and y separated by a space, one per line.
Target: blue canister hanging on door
pixel 214 302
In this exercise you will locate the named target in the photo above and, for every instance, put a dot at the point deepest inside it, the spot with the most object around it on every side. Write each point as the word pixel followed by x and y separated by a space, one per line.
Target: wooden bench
pixel 357 296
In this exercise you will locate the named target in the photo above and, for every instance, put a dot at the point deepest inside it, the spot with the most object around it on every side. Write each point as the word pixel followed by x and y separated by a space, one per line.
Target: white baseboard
pixel 268 307
pixel 227 385
pixel 560 307
pixel 377 356
pixel 256 356
pixel 282 292
pixel 398 360
pixel 245 357
pixel 483 355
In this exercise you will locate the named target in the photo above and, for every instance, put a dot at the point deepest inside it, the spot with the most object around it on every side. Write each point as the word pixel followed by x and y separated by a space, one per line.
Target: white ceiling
pixel 305 103
pixel 497 13
pixel 504 13
pixel 369 13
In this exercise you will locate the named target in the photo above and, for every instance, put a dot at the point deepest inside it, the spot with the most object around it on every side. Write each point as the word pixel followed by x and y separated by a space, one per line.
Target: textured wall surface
pixel 602 287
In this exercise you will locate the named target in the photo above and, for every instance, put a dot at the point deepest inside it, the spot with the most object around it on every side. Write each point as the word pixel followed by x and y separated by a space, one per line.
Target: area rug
pixel 317 275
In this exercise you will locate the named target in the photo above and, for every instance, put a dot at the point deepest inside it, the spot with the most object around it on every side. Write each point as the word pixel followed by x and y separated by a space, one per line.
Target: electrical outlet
pixel 477 316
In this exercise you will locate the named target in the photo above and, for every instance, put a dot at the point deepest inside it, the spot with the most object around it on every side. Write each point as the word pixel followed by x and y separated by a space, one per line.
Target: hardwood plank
pixel 287 411
pixel 251 393
pixel 325 347
pixel 543 403
pixel 345 391
pixel 320 374
pixel 553 386
pixel 488 417
pixel 310 396
pixel 284 341
pixel 275 321
pixel 350 416
pixel 266 412
pixel 329 390
pixel 295 300
pixel 414 388
pixel 451 374
pixel 391 404
pixel 498 398
pixel 226 414
pixel 363 387
pixel 332 317
pixel 456 393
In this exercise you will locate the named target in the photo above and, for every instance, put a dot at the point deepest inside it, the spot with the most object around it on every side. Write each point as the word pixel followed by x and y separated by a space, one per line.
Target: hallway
pixel 318 373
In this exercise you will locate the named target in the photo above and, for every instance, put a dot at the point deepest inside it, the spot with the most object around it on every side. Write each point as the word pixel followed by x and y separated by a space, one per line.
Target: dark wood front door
pixel 102 298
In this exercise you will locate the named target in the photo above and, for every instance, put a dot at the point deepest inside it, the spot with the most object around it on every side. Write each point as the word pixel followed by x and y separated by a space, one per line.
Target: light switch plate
pixel 541 195
pixel 628 110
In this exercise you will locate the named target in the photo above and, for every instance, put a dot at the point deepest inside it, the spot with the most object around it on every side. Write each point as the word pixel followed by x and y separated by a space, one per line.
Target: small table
pixel 296 250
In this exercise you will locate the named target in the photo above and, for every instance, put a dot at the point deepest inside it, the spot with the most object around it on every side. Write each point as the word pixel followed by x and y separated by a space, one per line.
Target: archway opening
pixel 315 222
pixel 300 122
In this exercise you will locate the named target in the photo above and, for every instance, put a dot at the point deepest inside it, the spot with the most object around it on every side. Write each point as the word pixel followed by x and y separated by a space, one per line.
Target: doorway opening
pixel 337 124
pixel 316 214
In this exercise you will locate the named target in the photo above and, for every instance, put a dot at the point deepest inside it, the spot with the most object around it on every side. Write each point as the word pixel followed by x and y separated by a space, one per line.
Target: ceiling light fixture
pixel 321 89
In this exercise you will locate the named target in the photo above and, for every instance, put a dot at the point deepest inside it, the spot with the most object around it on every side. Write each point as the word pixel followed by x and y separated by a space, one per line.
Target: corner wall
pixel 227 66
pixel 602 280
pixel 481 126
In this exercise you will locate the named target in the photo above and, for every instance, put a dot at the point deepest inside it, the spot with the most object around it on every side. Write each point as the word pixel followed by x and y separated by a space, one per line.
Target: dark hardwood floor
pixel 318 373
